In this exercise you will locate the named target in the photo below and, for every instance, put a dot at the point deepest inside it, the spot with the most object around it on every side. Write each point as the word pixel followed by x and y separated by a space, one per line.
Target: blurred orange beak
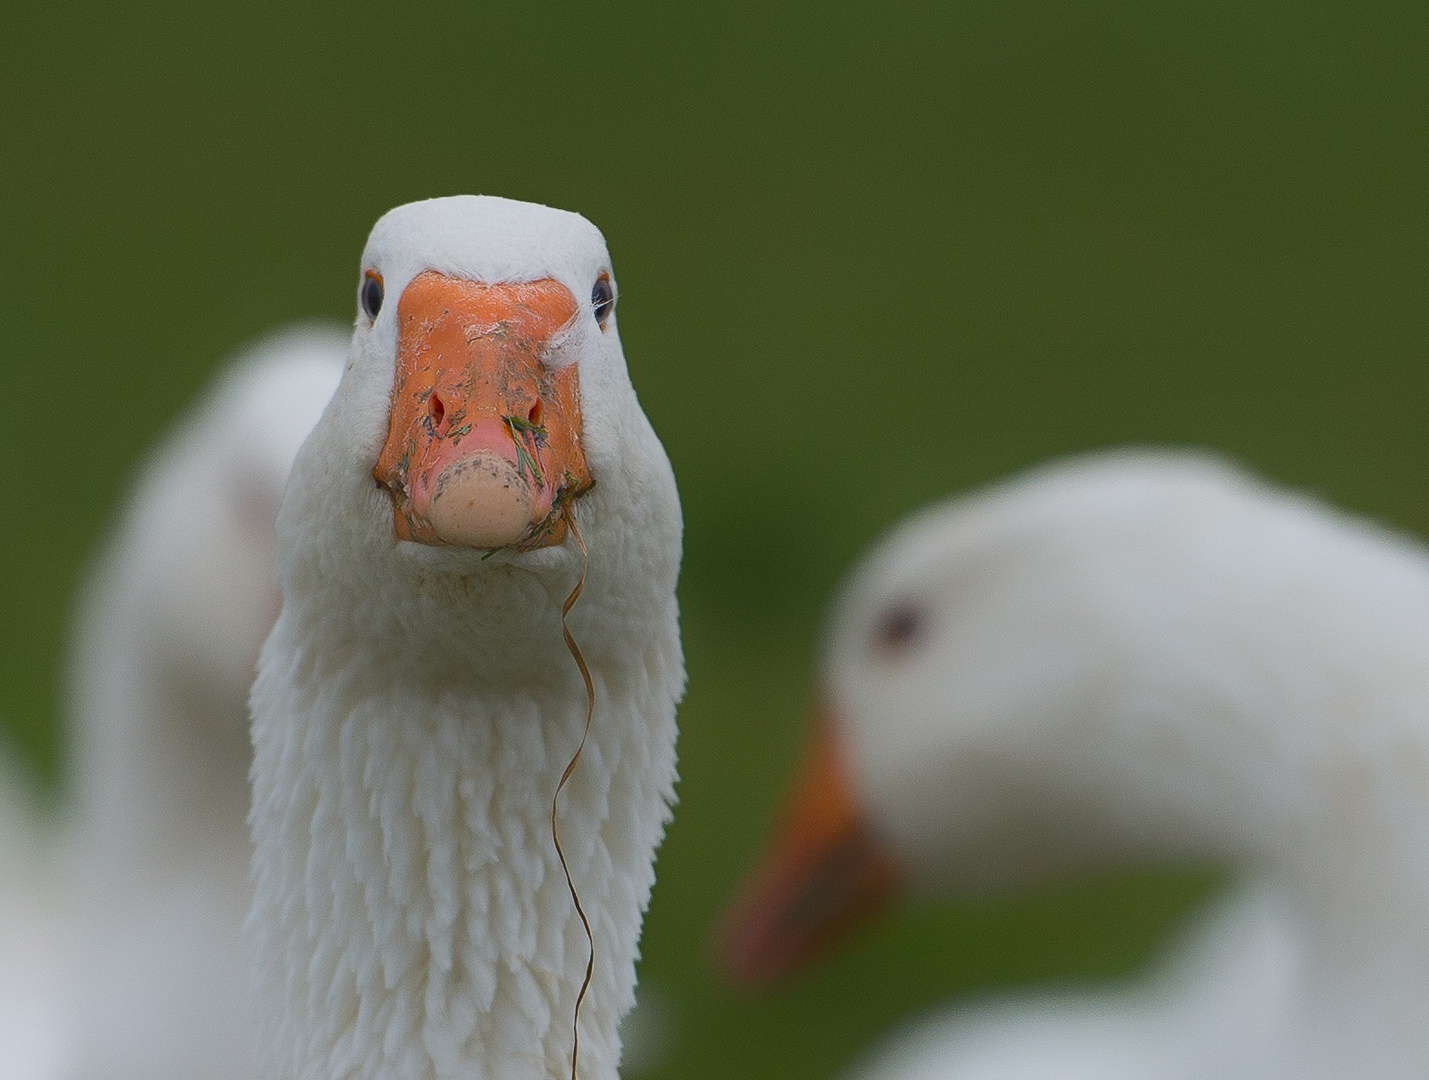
pixel 483 444
pixel 824 874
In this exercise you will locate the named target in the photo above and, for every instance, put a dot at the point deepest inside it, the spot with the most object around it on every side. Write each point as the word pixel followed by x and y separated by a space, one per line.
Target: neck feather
pixel 411 917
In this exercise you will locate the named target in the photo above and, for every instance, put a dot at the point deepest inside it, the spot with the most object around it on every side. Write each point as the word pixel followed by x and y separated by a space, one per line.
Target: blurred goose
pixel 417 708
pixel 1123 657
pixel 170 624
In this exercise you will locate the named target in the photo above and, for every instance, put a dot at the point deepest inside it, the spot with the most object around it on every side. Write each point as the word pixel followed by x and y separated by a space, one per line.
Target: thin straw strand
pixel 570 768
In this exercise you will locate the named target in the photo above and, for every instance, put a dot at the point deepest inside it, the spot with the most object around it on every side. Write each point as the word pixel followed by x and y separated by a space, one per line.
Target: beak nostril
pixel 534 416
pixel 437 411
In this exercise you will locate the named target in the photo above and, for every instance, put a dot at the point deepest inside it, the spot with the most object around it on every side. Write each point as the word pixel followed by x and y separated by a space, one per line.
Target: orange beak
pixel 483 444
pixel 824 874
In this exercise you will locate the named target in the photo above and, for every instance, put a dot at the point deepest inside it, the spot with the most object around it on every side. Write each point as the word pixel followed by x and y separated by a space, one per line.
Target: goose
pixel 1126 656
pixel 448 789
pixel 168 628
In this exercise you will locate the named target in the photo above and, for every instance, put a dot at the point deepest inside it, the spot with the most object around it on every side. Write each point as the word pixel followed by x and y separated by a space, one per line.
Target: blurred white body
pixel 1153 655
pixel 34 928
pixel 1216 1006
pixel 170 626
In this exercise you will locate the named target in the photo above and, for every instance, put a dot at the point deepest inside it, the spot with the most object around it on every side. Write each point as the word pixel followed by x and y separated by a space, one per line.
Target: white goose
pixel 416 706
pixel 1128 656
pixel 169 628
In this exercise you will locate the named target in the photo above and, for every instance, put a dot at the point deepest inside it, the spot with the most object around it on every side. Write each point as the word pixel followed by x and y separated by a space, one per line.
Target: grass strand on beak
pixel 570 768
pixel 520 429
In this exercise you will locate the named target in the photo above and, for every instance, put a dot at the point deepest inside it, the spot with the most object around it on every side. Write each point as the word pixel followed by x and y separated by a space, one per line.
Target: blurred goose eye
pixel 602 298
pixel 372 294
pixel 899 628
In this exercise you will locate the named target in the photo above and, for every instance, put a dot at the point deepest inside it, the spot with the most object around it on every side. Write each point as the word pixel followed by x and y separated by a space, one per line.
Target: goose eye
pixel 899 628
pixel 372 294
pixel 602 298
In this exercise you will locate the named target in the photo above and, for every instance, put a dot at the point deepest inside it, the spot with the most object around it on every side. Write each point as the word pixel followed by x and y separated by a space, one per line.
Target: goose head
pixel 945 678
pixel 417 704
pixel 958 661
pixel 1121 658
pixel 486 399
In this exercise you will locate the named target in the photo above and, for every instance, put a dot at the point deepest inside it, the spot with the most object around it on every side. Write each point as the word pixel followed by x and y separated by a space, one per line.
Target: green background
pixel 869 255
